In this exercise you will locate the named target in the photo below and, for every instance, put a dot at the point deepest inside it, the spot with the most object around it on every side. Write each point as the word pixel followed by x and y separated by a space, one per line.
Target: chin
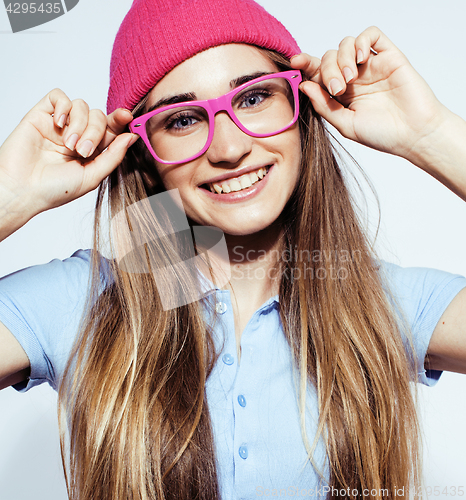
pixel 245 228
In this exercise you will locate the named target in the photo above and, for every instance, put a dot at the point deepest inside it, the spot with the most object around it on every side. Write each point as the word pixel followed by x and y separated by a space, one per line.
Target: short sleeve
pixel 42 307
pixel 423 295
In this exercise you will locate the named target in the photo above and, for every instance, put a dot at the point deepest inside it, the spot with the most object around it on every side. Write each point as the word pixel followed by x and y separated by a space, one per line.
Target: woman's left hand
pixel 369 91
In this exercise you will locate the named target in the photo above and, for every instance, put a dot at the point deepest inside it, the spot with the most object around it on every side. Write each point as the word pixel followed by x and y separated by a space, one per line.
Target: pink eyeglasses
pixel 181 132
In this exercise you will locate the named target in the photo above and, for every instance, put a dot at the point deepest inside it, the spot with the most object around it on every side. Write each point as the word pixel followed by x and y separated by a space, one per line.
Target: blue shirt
pixel 253 405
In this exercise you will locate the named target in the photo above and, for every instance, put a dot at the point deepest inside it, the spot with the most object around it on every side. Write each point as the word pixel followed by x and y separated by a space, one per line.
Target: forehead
pixel 209 73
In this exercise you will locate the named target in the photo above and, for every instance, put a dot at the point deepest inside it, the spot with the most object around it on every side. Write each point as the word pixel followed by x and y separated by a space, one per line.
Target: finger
pixel 371 38
pixel 332 76
pixel 330 109
pixel 93 134
pixel 117 123
pixel 78 120
pixel 106 162
pixel 57 104
pixel 309 65
pixel 346 59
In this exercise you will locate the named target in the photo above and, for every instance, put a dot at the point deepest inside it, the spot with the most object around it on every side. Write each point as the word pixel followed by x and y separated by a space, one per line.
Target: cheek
pixel 162 171
pixel 291 151
pixel 169 175
pixel 294 160
pixel 179 177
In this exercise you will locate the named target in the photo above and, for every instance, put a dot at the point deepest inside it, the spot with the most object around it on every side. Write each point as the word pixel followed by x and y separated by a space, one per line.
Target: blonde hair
pixel 133 394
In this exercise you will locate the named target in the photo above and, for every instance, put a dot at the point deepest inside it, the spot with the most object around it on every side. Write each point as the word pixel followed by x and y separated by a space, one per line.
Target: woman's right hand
pixel 59 152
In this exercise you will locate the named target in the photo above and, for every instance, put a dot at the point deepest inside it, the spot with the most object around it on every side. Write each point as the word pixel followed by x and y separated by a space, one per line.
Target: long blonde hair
pixel 133 394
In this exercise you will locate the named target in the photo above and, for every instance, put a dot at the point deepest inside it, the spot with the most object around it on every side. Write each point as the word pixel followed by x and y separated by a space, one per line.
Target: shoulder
pixel 42 306
pixel 420 296
pixel 58 280
pixel 72 268
pixel 423 293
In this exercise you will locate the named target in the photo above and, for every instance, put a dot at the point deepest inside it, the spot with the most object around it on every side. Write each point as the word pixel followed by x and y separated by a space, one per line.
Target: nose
pixel 229 143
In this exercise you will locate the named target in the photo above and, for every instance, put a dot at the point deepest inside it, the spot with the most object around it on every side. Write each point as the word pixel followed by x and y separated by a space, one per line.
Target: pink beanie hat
pixel 157 35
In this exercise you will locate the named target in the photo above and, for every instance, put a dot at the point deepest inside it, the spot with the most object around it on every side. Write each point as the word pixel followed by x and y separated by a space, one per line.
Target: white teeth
pixel 245 182
pixel 237 184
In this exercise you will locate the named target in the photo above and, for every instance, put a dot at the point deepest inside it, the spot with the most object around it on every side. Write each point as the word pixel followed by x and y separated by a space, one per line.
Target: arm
pixel 442 153
pixel 60 151
pixel 14 364
pixel 44 163
pixel 370 92
pixel 447 347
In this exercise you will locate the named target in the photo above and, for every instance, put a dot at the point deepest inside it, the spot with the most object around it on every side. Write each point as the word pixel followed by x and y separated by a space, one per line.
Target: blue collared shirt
pixel 253 403
pixel 254 410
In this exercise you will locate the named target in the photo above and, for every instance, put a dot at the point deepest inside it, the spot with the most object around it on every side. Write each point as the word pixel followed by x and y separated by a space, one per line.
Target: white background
pixel 422 222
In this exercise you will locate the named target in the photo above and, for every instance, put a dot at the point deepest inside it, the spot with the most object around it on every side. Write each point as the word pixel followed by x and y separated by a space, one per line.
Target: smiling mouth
pixel 237 183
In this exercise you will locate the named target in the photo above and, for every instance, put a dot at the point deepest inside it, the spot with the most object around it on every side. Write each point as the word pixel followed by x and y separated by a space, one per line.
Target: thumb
pixel 116 125
pixel 118 120
pixel 104 164
pixel 329 108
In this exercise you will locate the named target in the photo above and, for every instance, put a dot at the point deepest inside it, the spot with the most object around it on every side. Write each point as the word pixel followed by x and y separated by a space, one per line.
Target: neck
pixel 252 264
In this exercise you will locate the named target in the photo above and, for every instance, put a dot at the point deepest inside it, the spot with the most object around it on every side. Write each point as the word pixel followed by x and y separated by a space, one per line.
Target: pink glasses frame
pixel 212 107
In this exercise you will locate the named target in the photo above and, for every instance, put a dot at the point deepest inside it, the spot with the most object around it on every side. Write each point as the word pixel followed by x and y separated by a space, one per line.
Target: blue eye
pixel 181 122
pixel 253 98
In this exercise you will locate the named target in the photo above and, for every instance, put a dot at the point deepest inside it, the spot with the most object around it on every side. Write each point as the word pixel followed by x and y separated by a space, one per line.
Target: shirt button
pixel 242 400
pixel 243 451
pixel 228 359
pixel 220 307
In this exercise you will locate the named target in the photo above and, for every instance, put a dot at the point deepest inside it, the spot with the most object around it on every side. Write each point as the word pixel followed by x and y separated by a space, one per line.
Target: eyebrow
pixel 247 78
pixel 191 96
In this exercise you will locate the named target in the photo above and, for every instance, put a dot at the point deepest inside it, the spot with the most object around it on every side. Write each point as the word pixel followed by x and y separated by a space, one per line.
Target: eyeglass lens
pixel 265 107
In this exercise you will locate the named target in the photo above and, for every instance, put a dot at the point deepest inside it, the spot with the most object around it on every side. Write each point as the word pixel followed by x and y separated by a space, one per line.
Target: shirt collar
pixel 208 288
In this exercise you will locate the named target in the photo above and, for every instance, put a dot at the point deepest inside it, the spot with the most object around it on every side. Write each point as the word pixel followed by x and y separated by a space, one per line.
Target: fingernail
pixel 85 148
pixel 133 140
pixel 360 56
pixel 71 142
pixel 335 86
pixel 348 74
pixel 61 121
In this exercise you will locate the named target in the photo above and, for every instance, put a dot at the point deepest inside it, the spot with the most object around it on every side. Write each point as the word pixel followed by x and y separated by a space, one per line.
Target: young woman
pixel 293 374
